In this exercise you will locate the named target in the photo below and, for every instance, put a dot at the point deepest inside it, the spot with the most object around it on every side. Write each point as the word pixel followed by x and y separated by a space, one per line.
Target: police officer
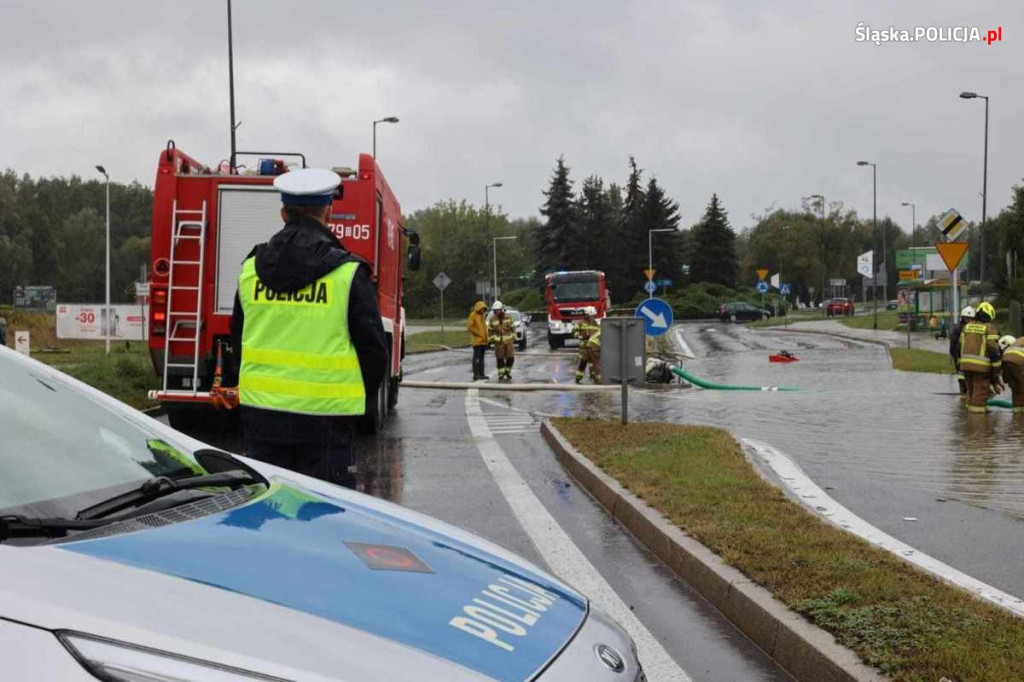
pixel 588 331
pixel 502 334
pixel 980 359
pixel 966 315
pixel 309 335
pixel 1013 369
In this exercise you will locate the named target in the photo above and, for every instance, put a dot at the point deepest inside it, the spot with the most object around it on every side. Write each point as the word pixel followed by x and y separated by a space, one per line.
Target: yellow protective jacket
pixel 979 347
pixel 589 333
pixel 1014 354
pixel 476 324
pixel 502 330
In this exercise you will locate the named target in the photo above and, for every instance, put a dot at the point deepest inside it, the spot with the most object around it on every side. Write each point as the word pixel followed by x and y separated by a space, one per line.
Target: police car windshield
pixel 61 451
pixel 575 291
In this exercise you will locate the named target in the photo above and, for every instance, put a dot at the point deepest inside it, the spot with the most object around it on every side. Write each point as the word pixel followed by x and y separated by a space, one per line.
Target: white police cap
pixel 307 186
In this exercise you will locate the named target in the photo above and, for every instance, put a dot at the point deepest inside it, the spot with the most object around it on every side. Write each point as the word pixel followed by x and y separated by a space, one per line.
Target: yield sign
pixel 952 253
pixel 649 272
pixel 762 273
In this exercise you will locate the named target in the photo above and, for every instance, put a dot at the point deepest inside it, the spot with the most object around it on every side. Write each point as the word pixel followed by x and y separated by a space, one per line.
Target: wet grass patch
pixel 888 320
pixel 916 360
pixel 902 621
pixel 126 374
pixel 424 341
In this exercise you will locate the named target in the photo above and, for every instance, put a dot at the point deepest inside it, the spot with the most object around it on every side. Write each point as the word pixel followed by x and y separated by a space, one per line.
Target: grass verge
pixel 887 319
pixel 783 320
pixel 896 618
pixel 424 341
pixel 915 360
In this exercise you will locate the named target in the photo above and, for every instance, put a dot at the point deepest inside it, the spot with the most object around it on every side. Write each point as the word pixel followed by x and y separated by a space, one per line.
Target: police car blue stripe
pixel 289 548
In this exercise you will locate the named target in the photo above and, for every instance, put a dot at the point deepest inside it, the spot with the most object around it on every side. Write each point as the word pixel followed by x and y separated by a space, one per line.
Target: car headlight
pixel 120 662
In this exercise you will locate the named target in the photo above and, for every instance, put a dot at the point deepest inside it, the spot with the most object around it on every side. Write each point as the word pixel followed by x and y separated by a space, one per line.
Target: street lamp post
pixel 821 238
pixel 487 219
pixel 874 233
pixel 495 251
pixel 913 254
pixel 106 288
pixel 650 252
pixel 388 119
pixel 984 186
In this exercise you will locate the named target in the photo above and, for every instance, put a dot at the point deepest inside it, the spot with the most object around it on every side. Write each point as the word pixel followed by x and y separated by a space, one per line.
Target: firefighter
pixel 1013 369
pixel 966 315
pixel 588 331
pixel 980 359
pixel 502 334
pixel 308 331
pixel 476 325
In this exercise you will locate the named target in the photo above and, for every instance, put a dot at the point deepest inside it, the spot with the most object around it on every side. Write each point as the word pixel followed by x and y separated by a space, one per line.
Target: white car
pixel 130 552
pixel 520 325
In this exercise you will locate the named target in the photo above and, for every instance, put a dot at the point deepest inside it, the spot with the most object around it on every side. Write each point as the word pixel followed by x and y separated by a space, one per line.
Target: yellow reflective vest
pixel 589 333
pixel 297 355
pixel 501 330
pixel 1014 353
pixel 979 347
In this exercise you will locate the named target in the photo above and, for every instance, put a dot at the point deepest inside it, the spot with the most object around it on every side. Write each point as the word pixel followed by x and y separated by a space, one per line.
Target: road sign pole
pixel 623 375
pixel 956 297
pixel 442 316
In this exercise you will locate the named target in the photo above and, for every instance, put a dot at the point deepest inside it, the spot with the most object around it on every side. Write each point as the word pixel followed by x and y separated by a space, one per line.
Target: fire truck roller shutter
pixel 247 215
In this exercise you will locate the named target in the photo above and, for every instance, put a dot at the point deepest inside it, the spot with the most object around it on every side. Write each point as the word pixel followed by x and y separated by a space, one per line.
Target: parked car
pixel 521 326
pixel 738 311
pixel 839 306
pixel 130 551
pixel 892 305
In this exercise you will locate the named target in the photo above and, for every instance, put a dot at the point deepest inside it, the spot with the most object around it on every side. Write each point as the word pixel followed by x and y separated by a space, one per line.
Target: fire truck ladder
pixel 187 226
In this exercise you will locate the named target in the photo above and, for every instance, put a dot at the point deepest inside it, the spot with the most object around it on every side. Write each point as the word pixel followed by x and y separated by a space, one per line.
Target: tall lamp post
pixel 106 288
pixel 388 119
pixel 984 186
pixel 650 252
pixel 495 251
pixel 821 238
pixel 874 233
pixel 487 218
pixel 913 254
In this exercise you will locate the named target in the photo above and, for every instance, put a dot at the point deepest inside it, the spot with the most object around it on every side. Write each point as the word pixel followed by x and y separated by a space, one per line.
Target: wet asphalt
pixel 888 445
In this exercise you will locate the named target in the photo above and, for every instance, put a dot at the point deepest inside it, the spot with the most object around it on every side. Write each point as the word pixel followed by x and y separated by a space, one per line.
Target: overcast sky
pixel 761 102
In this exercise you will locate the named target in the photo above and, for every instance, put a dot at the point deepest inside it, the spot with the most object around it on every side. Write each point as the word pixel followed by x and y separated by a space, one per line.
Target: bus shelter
pixel 921 300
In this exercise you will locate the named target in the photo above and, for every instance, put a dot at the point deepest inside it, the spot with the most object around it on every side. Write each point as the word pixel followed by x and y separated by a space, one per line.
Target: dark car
pixel 839 306
pixel 738 311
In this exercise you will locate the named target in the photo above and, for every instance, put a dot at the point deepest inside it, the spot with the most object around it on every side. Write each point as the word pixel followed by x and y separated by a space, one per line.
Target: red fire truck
pixel 567 294
pixel 205 222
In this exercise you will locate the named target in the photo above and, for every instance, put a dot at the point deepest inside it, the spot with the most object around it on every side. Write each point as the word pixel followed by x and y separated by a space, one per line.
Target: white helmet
pixel 968 311
pixel 1006 341
pixel 497 305
pixel 590 311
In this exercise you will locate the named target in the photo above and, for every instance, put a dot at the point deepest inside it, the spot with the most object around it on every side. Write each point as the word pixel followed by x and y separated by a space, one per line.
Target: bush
pixel 527 298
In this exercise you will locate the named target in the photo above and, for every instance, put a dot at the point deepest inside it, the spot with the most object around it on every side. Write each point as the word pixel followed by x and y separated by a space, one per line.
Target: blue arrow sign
pixel 786 289
pixel 650 287
pixel 762 287
pixel 656 314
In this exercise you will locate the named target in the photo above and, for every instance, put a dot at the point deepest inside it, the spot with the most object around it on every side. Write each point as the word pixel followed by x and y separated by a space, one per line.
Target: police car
pixel 130 552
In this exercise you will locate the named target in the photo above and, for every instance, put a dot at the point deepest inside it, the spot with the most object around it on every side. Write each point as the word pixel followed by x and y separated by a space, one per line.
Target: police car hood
pixel 301 253
pixel 306 578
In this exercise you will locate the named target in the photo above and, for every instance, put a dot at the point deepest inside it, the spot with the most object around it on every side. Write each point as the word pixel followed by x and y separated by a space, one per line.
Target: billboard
pixel 87 321
pixel 42 299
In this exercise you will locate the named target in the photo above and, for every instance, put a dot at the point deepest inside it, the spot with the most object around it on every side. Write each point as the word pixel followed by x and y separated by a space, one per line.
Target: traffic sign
pixel 442 281
pixel 21 343
pixel 650 287
pixel 952 225
pixel 663 282
pixel 649 273
pixel 762 287
pixel 785 289
pixel 762 273
pixel 952 253
pixel 656 314
pixel 865 263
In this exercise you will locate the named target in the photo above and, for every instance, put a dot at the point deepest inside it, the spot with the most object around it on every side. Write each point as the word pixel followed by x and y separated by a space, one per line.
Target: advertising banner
pixel 87 321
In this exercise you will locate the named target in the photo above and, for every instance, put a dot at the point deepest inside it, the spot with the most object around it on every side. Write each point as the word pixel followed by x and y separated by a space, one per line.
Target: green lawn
pixel 915 360
pixel 887 319
pixel 794 316
pixel 425 341
pixel 896 618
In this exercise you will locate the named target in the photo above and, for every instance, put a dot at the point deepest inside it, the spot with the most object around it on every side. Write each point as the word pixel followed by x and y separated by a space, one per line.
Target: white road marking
pixel 562 555
pixel 684 347
pixel 801 484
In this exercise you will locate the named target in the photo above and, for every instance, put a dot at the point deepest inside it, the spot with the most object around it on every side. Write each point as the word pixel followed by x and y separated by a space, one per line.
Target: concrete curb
pixel 807 652
pixel 834 335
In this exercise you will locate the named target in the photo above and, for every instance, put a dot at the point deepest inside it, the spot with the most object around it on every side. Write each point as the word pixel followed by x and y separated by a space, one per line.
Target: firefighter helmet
pixel 968 311
pixel 590 311
pixel 986 309
pixel 497 305
pixel 1006 341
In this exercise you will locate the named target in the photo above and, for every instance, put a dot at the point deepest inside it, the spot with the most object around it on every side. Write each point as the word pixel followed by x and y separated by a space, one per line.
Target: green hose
pixel 1000 402
pixel 679 371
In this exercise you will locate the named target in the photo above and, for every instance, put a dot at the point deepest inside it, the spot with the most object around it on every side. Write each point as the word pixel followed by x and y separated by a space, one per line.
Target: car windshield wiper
pixel 160 486
pixel 16 526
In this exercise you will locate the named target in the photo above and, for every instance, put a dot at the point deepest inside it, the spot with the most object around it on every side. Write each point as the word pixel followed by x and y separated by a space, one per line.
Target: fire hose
pixel 679 371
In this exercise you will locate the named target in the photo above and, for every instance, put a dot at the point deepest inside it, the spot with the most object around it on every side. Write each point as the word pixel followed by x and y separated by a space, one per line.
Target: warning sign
pixel 762 273
pixel 952 253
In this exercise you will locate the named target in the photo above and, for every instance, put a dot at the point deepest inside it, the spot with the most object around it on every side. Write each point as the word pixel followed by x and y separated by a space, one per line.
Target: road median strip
pixel 781 575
